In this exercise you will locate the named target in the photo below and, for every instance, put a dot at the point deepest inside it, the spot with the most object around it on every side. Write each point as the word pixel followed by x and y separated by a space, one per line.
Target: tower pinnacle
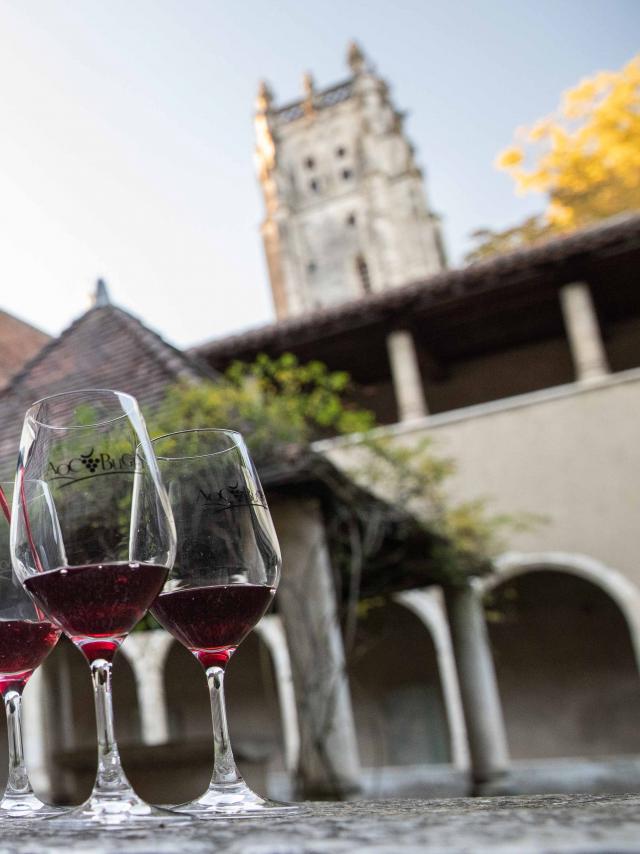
pixel 101 294
pixel 356 58
pixel 309 92
pixel 264 98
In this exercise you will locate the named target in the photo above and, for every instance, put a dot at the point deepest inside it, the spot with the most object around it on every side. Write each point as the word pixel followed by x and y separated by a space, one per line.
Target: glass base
pixel 235 800
pixel 27 806
pixel 127 813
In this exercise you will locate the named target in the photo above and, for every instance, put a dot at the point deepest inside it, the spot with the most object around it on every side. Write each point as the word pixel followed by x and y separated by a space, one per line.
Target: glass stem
pixel 224 765
pixel 110 778
pixel 18 782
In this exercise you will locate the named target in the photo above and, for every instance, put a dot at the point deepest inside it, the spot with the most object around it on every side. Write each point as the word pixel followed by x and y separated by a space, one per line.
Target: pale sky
pixel 126 134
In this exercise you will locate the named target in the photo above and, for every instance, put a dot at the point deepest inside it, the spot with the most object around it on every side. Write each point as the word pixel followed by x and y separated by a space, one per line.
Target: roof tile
pixel 104 348
pixel 19 341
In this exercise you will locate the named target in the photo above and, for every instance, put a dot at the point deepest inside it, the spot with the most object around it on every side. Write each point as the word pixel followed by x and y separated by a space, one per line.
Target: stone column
pixel 271 631
pixel 583 330
pixel 328 765
pixel 478 686
pixel 428 606
pixel 405 374
pixel 146 653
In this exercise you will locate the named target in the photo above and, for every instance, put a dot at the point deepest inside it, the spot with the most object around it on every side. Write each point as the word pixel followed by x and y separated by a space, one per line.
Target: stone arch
pixel 428 606
pixel 68 719
pixel 253 706
pixel 623 592
pixel 125 702
pixel 189 758
pixel 399 703
pixel 187 700
pixel 564 637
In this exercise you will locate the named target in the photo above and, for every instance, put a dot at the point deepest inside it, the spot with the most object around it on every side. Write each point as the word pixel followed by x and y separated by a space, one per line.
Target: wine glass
pixel 225 576
pixel 26 639
pixel 93 547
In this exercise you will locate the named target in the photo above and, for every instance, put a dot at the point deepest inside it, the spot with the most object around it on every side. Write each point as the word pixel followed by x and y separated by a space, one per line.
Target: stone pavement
pixel 542 823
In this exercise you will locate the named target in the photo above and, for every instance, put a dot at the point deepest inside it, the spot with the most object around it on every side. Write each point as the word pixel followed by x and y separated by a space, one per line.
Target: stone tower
pixel 346 213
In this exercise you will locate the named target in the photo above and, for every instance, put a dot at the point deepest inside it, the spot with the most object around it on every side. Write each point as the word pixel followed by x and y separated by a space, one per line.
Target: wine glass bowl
pixel 225 575
pixel 86 445
pixel 26 639
pixel 227 559
pixel 92 541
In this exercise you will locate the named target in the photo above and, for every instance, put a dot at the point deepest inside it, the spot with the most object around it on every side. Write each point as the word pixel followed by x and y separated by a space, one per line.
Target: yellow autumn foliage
pixel 586 157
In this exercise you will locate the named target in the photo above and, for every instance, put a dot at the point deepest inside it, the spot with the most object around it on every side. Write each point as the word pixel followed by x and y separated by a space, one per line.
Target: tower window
pixel 363 274
pixel 312 267
pixel 341 151
pixel 313 184
pixel 347 174
pixel 351 219
pixel 310 162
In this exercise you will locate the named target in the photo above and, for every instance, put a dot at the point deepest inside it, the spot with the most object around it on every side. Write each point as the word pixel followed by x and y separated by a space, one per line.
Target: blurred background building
pixel 346 213
pixel 524 368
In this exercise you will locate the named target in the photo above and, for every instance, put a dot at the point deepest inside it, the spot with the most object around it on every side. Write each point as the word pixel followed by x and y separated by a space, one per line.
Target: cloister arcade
pixel 564 632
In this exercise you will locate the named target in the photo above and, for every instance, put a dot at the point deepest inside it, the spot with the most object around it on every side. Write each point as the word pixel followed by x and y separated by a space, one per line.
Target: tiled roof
pixel 109 348
pixel 554 258
pixel 104 348
pixel 19 341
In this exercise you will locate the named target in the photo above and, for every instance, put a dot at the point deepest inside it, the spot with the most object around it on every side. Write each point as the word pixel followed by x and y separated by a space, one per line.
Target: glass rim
pixel 105 391
pixel 238 443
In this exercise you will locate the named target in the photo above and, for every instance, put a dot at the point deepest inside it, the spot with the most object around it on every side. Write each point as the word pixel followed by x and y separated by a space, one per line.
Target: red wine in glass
pixel 92 541
pixel 102 602
pixel 211 621
pixel 24 644
pixel 26 638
